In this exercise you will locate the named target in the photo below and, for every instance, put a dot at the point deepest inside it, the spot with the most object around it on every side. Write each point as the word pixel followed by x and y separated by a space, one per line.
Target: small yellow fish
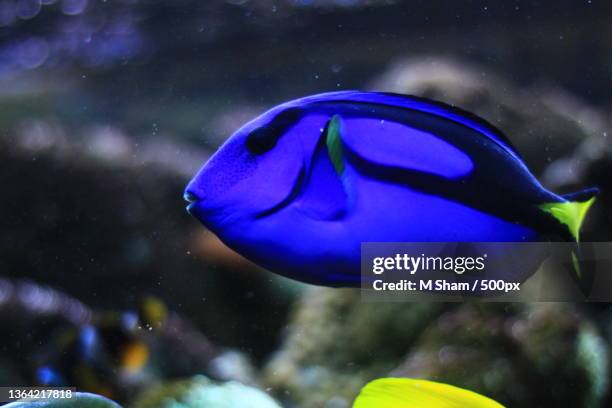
pixel 411 393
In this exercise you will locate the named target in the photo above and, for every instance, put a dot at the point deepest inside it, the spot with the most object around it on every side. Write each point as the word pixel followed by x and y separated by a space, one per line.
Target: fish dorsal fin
pixel 411 393
pixel 570 213
pixel 582 195
pixel 425 105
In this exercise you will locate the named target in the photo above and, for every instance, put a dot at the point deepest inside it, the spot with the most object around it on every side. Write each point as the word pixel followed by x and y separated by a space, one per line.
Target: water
pixel 108 108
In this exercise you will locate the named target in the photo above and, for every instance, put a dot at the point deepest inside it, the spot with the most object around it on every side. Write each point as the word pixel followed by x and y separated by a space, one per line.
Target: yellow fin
pixel 569 213
pixel 411 393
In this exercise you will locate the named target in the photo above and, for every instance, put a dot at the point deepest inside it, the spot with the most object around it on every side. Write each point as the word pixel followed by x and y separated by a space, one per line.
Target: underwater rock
pixel 126 351
pixel 62 342
pixel 589 164
pixel 336 343
pixel 30 301
pixel 83 217
pixel 519 355
pixel 29 313
pixel 103 213
pixel 200 392
pixel 11 372
pixel 541 122
pixel 233 365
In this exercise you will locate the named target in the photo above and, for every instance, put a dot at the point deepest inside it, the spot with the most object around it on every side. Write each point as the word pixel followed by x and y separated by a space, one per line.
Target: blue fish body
pixel 298 189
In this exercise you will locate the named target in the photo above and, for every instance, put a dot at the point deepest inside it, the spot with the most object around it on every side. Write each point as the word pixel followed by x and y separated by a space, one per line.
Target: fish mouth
pixel 192 199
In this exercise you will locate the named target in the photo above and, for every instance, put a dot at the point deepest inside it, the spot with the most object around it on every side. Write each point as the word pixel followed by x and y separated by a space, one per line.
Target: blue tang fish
pixel 299 188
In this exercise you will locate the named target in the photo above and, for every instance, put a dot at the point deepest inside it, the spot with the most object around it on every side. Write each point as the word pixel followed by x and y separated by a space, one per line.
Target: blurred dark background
pixel 176 66
pixel 108 107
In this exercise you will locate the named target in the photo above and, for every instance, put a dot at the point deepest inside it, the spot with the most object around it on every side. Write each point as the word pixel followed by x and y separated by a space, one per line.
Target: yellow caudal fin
pixel 411 393
pixel 570 214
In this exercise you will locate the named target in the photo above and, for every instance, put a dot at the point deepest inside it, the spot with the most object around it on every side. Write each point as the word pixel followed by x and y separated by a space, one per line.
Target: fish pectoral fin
pixel 333 134
pixel 333 141
pixel 325 194
pixel 571 213
pixel 335 150
pixel 413 393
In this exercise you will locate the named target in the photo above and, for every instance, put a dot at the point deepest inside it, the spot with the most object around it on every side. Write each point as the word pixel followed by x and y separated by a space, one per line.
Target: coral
pixel 336 343
pixel 200 392
pixel 520 355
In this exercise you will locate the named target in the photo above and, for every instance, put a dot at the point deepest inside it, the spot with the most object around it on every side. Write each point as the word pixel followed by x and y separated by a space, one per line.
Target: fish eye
pixel 264 139
pixel 260 141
